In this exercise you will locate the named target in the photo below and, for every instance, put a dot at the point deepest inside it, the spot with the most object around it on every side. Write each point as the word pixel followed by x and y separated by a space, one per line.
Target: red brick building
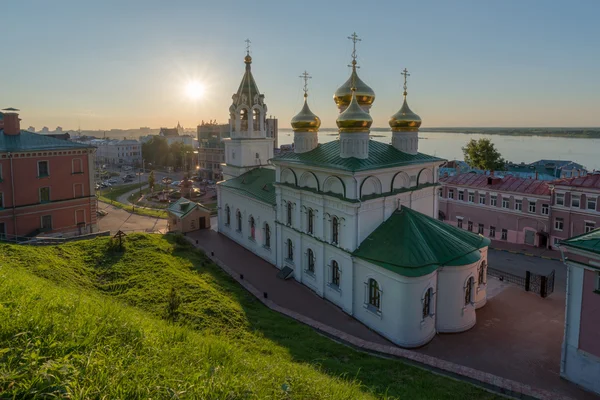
pixel 46 184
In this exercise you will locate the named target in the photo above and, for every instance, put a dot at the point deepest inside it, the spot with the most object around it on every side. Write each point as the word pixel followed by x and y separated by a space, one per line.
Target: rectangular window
pixel 560 199
pixel 518 204
pixel 559 224
pixel 1 200
pixel 505 202
pixel 451 194
pixel 47 222
pixel 556 241
pixel 494 201
pixel 591 201
pixel 531 207
pixel 470 226
pixel 492 231
pixel 589 226
pixel 471 197
pixel 459 222
pixel 461 195
pixel 545 209
pixel 575 201
pixel 480 229
pixel 481 198
pixel 43 169
pixel 441 193
pixel 77 166
pixel 504 234
pixel 44 195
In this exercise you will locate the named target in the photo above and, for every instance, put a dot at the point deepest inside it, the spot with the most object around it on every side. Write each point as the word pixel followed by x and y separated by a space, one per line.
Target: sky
pixel 127 64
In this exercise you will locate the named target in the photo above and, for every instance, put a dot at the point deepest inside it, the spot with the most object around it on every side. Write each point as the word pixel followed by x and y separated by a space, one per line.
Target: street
pixel 517 264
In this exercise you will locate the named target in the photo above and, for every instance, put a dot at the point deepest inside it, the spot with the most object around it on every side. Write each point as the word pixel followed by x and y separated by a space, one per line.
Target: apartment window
pixel 471 197
pixel 47 222
pixel 335 273
pixel 480 229
pixel 518 204
pixel 558 224
pixel 374 294
pixel 459 222
pixel 45 195
pixel 560 199
pixel 545 209
pixel 575 201
pixel 504 234
pixel 252 226
pixel 492 231
pixel 0 178
pixel 311 261
pixel 494 201
pixel 591 202
pixel 461 195
pixel 310 220
pixel 469 291
pixel 335 235
pixel 43 169
pixel 481 198
pixel 531 207
pixel 505 202
pixel 427 303
pixel 470 226
pixel 290 250
pixel 451 193
pixel 267 236
pixel 589 226
pixel 289 213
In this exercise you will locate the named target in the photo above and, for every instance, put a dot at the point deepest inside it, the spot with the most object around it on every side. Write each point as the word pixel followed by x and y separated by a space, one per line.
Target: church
pixel 352 219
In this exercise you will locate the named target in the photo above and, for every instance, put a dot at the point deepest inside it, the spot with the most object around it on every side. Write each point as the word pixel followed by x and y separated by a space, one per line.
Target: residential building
pixel 119 152
pixel 272 127
pixel 580 359
pixel 510 209
pixel 211 149
pixel 46 184
pixel 185 216
pixel 545 170
pixel 352 219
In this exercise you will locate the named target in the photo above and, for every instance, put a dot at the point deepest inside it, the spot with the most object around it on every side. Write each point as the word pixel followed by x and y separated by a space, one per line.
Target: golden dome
pixel 305 120
pixel 354 118
pixel 405 120
pixel 248 59
pixel 364 94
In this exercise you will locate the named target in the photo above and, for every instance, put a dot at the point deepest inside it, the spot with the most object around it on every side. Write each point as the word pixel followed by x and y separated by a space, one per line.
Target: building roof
pixel 183 207
pixel 588 241
pixel 33 141
pixel 257 183
pixel 248 88
pixel 168 132
pixel 381 155
pixel 412 244
pixel 506 184
pixel 558 164
pixel 591 181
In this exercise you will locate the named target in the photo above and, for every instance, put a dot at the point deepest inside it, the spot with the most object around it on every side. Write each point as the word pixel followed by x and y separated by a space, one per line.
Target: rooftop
pixel 412 244
pixel 381 155
pixel 591 181
pixel 33 141
pixel 168 132
pixel 256 183
pixel 183 206
pixel 506 184
pixel 588 241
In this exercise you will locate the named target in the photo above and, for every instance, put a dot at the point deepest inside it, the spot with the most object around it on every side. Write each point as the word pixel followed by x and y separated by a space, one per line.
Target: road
pixel 518 264
pixel 118 219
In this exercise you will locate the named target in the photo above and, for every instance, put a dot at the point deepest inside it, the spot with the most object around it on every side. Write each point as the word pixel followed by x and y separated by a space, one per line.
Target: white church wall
pixel 481 291
pixel 339 295
pixel 296 262
pixel 316 279
pixel 453 315
pixel 424 200
pixel 370 215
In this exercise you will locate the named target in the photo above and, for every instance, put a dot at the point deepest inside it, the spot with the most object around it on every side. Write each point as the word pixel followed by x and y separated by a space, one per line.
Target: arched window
pixel 255 120
pixel 427 303
pixel 290 250
pixel 244 119
pixel 335 273
pixel 374 293
pixel 310 220
pixel 335 230
pixel 481 273
pixel 267 236
pixel 227 216
pixel 311 261
pixel 289 213
pixel 469 291
pixel 252 232
pixel 238 216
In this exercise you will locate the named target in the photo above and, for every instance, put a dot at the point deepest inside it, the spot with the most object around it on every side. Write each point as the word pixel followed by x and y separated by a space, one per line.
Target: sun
pixel 194 90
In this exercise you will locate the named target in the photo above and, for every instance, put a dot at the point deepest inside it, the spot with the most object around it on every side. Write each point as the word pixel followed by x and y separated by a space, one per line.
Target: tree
pixel 151 180
pixel 482 154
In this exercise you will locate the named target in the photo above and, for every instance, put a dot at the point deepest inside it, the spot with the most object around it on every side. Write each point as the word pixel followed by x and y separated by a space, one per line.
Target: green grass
pixel 83 320
pixel 111 196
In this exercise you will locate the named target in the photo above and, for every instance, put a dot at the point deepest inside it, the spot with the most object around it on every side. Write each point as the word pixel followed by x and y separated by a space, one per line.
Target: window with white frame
pixel 335 273
pixel 77 166
pixel 480 229
pixel 494 201
pixel 492 231
pixel 559 224
pixel 545 209
pixel 518 204
pixel 575 200
pixel 451 193
pixel 504 234
pixel 461 195
pixel 374 294
pixel 459 221
pixel 43 169
pixel 471 197
pixel 505 202
pixel 470 226
pixel 591 202
pixel 310 258
pixel 427 300
pixel 589 226
pixel 227 215
pixel 532 206
pixel 560 199
pixel 289 213
pixel 482 198
pixel 44 195
pixel 469 291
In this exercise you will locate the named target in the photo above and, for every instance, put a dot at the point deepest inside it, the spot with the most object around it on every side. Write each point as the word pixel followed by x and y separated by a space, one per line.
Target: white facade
pixel 119 152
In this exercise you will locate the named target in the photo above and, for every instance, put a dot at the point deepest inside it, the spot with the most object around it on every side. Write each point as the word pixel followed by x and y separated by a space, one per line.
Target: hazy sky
pixel 125 64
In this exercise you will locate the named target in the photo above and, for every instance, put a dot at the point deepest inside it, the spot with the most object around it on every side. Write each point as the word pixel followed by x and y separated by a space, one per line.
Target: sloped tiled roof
pixel 591 181
pixel 33 141
pixel 588 241
pixel 412 244
pixel 257 183
pixel 183 207
pixel 507 184
pixel 381 155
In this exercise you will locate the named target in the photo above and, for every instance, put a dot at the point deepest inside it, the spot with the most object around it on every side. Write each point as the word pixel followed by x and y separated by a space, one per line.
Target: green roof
pixel 183 207
pixel 257 183
pixel 412 244
pixel 32 141
pixel 381 155
pixel 588 241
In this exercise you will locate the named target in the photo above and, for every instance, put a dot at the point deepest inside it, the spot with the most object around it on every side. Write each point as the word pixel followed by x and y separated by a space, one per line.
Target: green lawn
pixel 110 196
pixel 83 320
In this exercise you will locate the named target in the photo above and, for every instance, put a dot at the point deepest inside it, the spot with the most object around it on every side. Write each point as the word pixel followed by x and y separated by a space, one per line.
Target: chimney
pixel 12 123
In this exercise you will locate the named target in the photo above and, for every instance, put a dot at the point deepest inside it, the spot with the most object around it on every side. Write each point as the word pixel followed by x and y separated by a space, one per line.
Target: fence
pixel 49 240
pixel 506 276
pixel 532 282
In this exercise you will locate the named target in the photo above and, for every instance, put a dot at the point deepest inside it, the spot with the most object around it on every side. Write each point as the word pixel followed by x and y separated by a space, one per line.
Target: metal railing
pixel 506 276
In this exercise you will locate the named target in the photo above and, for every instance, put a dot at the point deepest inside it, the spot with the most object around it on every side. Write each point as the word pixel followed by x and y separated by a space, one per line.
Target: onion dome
pixel 306 120
pixel 354 118
pixel 405 120
pixel 365 96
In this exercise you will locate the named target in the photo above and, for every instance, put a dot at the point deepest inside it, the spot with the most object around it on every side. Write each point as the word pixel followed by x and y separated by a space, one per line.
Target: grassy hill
pixel 83 320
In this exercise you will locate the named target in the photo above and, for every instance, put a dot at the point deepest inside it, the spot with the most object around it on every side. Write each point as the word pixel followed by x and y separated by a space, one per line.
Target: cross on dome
pixel 305 76
pixel 354 37
pixel 247 46
pixel 406 74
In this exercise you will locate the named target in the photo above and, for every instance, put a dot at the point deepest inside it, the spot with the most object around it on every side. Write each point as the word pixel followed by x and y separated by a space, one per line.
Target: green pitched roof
pixel 32 141
pixel 588 241
pixel 412 244
pixel 257 183
pixel 381 155
pixel 183 207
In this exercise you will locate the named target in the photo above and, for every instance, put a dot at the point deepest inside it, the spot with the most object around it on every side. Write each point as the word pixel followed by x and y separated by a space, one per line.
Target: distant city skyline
pixel 125 65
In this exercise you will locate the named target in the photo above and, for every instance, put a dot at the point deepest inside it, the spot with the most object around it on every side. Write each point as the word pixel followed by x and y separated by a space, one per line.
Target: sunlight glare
pixel 195 90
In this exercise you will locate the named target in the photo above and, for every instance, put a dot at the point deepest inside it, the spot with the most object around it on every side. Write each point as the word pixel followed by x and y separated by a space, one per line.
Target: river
pixel 513 148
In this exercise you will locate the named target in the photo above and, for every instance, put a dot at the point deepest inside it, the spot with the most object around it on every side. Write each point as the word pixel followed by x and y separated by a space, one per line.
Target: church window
pixel 227 215
pixel 335 273
pixel 311 261
pixel 238 216
pixel 310 220
pixel 374 294
pixel 469 291
pixel 290 250
pixel 481 273
pixel 427 303
pixel 289 213
pixel 267 236
pixel 252 232
pixel 255 120
pixel 335 235
pixel 244 119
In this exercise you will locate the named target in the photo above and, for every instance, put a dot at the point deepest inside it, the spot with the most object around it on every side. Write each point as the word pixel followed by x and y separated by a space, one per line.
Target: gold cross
pixel 354 38
pixel 306 77
pixel 406 74
pixel 247 46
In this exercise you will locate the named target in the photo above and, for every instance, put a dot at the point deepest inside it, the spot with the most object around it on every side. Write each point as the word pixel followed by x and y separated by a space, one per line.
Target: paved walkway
pixel 520 248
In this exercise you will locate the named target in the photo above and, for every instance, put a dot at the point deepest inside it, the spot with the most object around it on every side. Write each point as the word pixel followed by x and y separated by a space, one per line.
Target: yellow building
pixel 186 216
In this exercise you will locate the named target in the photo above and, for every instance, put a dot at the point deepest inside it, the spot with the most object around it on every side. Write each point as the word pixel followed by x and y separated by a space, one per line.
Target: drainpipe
pixel 563 355
pixel 12 190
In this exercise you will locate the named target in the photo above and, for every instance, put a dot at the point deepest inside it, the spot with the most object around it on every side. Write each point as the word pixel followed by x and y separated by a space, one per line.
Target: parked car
pixel 166 180
pixel 126 168
pixel 176 183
